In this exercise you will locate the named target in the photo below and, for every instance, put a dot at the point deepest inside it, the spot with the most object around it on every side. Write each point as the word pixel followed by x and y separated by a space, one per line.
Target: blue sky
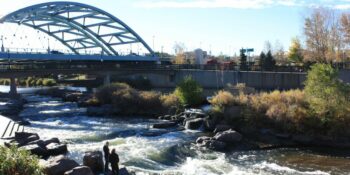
pixel 222 26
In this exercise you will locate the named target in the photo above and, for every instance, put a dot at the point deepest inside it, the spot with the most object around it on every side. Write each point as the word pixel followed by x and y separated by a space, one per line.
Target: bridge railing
pixel 11 128
pixel 31 51
pixel 110 65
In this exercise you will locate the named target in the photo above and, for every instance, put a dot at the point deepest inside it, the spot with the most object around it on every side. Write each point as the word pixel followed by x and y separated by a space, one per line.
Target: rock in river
pixel 58 165
pixel 164 125
pixel 56 149
pixel 94 160
pixel 194 123
pixel 229 136
pixel 80 170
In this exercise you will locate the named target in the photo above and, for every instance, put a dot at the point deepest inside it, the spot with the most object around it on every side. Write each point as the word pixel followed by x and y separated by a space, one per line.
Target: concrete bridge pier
pixel 13 87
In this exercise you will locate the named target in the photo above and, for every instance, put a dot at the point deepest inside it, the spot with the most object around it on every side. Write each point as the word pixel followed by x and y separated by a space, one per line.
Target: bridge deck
pixel 68 57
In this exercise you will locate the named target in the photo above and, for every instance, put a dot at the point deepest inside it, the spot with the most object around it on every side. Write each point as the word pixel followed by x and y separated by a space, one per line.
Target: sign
pixel 247 50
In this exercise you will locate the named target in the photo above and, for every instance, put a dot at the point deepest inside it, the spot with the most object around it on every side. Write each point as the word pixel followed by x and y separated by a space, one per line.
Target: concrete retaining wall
pixel 220 79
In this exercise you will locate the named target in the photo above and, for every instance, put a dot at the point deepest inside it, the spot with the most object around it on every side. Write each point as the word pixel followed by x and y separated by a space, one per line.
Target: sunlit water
pixel 165 152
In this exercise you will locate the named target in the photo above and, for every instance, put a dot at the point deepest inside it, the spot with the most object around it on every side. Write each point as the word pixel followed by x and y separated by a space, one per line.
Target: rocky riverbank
pixel 52 156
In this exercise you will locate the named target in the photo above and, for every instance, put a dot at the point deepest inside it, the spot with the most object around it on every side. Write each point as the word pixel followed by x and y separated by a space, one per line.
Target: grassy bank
pixel 18 162
pixel 321 109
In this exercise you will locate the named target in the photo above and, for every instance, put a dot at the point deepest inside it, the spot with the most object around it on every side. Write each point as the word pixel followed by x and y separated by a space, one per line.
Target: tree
pixel 295 53
pixel 189 92
pixel 262 59
pixel 267 46
pixel 269 62
pixel 180 57
pixel 279 53
pixel 323 36
pixel 327 96
pixel 243 60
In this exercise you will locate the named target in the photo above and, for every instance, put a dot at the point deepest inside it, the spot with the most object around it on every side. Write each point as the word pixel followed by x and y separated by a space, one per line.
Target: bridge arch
pixel 77 26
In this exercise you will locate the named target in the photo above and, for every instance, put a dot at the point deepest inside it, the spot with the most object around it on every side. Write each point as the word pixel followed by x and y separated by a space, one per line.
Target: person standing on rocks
pixel 114 160
pixel 106 153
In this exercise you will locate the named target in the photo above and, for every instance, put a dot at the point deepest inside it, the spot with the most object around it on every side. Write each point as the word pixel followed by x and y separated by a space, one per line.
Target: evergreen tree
pixel 243 61
pixel 270 62
pixel 262 59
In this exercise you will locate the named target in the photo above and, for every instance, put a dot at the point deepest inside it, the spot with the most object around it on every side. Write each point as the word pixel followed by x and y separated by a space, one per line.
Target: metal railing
pixel 11 128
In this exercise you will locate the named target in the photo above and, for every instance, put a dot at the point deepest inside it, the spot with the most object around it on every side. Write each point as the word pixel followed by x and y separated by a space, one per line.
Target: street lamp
pixel 153 41
pixel 2 44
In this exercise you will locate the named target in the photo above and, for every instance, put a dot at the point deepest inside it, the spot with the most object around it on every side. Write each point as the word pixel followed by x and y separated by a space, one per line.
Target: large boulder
pixel 52 140
pixel 221 128
pixel 203 141
pixel 229 137
pixel 194 124
pixel 209 124
pixel 58 165
pixel 217 145
pixel 23 138
pixel 55 149
pixel 164 125
pixel 123 171
pixel 94 160
pixel 80 170
pixel 36 150
pixel 72 97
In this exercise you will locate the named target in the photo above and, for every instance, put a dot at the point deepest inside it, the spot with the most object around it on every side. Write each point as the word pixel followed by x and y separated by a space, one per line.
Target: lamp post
pixel 153 41
pixel 2 44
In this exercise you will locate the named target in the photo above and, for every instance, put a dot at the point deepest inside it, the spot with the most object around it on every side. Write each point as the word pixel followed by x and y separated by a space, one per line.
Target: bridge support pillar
pixel 13 86
pixel 107 80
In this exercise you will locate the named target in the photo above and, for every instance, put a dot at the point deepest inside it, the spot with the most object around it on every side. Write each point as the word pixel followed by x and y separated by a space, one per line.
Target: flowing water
pixel 150 151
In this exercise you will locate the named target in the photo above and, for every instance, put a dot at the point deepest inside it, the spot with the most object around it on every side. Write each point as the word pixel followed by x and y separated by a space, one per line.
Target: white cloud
pixel 342 6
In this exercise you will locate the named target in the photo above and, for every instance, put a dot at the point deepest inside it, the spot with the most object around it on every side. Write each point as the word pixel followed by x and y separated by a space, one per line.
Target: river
pixel 150 151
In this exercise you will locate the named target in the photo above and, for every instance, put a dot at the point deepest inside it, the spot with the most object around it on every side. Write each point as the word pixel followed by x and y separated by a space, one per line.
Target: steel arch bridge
pixel 78 26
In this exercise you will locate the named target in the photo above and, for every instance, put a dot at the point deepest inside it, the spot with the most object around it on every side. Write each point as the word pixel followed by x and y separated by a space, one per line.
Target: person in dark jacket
pixel 106 153
pixel 114 160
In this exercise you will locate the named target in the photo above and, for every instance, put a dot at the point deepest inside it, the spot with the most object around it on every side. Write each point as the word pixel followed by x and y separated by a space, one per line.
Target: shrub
pixel 285 109
pixel 223 99
pixel 189 92
pixel 49 82
pixel 4 81
pixel 170 101
pixel 18 162
pixel 104 93
pixel 39 82
pixel 149 100
pixel 328 97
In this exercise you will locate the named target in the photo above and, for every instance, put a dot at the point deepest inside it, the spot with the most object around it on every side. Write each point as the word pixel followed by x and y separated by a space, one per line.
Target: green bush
pixel 189 92
pixel 328 97
pixel 104 93
pixel 18 162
